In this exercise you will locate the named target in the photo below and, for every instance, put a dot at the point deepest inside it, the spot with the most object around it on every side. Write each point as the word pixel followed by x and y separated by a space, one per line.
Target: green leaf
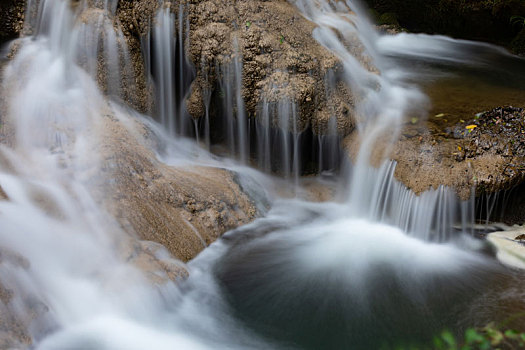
pixel 449 339
pixel 495 336
pixel 281 39
pixel 438 343
pixel 248 24
pixel 485 345
pixel 414 120
pixel 511 334
pixel 472 336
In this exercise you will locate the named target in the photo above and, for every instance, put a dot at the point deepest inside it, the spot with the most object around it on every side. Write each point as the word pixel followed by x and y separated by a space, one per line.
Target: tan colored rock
pixel 148 257
pixel 16 316
pixel 12 13
pixel 184 209
pixel 280 58
pixel 489 157
pixel 134 18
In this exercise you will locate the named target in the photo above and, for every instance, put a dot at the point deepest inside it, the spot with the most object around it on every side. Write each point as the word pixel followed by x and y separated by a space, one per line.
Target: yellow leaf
pixel 440 115
pixel 471 127
pixel 459 148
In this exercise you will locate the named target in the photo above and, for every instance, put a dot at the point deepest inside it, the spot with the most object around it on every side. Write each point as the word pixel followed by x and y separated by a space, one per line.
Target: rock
pixel 135 18
pixel 3 196
pixel 509 250
pixel 520 238
pixel 12 19
pixel 487 152
pixel 183 208
pixel 18 309
pixel 281 61
pixel 154 261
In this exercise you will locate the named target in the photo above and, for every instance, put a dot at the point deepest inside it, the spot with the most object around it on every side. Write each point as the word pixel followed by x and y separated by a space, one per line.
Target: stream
pixel 374 267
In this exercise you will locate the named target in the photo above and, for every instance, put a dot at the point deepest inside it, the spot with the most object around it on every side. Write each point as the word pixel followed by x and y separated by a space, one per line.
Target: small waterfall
pixel 386 100
pixel 430 216
pixel 232 101
pixel 279 141
pixel 206 96
pixel 163 67
pixel 242 129
pixel 169 69
pixel 95 42
pixel 329 148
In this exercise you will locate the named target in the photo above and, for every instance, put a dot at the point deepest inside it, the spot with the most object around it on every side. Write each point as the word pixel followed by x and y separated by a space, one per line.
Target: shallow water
pixel 461 78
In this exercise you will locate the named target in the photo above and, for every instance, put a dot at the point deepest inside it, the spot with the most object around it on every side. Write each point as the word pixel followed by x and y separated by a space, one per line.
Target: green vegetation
pixel 489 337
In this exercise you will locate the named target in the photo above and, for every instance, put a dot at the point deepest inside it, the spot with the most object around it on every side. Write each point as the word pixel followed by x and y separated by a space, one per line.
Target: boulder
pixel 12 14
pixel 486 152
pixel 17 308
pixel 184 208
pixel 510 248
pixel 281 60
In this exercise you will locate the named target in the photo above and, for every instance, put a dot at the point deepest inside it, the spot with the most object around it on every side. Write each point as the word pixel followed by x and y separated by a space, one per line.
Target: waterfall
pixel 387 100
pixel 378 266
pixel 164 67
pixel 169 68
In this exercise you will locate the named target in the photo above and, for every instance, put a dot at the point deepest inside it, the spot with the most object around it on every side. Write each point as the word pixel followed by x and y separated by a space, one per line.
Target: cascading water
pixel 236 124
pixel 165 57
pixel 378 268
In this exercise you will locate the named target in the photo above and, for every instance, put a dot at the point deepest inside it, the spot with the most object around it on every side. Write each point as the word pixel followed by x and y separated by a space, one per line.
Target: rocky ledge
pixel 486 152
pixel 281 60
pixel 510 246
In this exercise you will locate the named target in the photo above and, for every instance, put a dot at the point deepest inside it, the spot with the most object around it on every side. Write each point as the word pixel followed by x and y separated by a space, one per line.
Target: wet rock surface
pixel 485 153
pixel 3 196
pixel 510 246
pixel 183 208
pixel 12 13
pixel 17 308
pixel 135 18
pixel 154 261
pixel 281 60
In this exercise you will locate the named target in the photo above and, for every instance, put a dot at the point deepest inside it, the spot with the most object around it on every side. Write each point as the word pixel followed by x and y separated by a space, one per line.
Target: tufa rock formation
pixel 486 153
pixel 184 209
pixel 280 59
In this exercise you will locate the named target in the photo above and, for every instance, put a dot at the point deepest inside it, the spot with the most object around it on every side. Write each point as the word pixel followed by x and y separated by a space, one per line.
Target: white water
pixel 167 67
pixel 360 258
